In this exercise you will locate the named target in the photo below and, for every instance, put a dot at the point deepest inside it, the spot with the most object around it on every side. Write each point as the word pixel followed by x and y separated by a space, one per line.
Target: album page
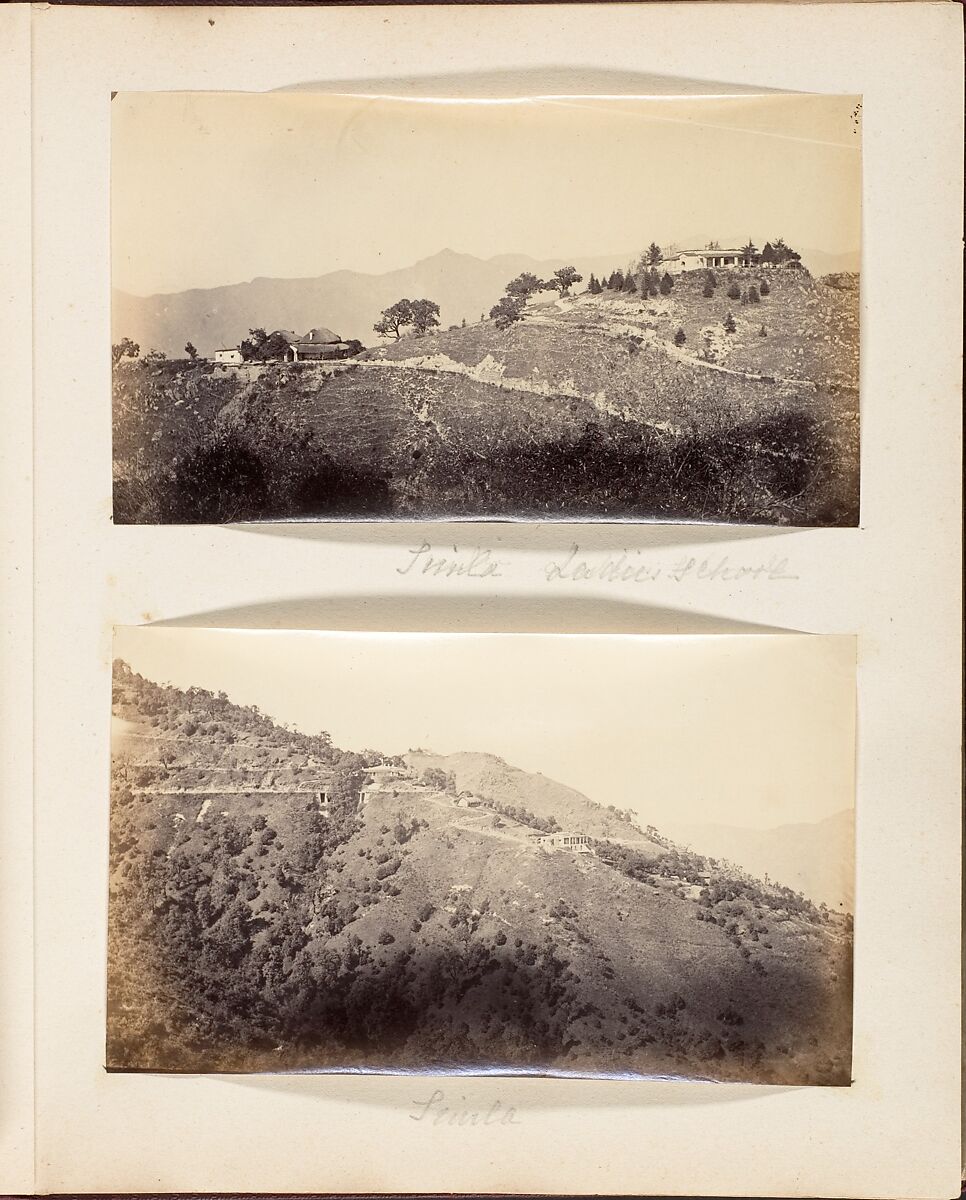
pixel 487 477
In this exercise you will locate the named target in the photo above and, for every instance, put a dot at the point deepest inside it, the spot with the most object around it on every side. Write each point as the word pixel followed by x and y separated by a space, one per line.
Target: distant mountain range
pixel 814 858
pixel 349 302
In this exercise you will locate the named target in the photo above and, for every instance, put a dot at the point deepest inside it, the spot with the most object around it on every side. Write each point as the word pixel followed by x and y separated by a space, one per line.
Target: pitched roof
pixel 320 335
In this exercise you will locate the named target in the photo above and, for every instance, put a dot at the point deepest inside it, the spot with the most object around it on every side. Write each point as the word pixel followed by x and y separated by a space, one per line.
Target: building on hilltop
pixel 712 257
pixel 379 777
pixel 317 345
pixel 575 843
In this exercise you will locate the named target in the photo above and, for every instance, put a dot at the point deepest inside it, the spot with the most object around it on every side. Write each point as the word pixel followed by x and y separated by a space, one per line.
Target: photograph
pixel 337 307
pixel 565 855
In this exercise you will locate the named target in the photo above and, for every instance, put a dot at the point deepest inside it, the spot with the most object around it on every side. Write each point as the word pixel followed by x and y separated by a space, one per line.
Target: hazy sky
pixel 217 188
pixel 744 730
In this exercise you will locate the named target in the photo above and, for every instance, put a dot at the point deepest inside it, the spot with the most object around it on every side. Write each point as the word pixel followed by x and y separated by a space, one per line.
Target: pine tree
pixel 729 324
pixel 680 337
pixel 734 292
pixel 753 297
pixel 666 284
pixel 629 284
pixel 763 332
pixel 765 289
pixel 618 281
pixel 708 291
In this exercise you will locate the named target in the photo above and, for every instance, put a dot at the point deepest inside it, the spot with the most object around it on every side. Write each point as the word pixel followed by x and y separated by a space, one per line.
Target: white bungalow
pixel 379 777
pixel 708 259
pixel 229 356
pixel 575 843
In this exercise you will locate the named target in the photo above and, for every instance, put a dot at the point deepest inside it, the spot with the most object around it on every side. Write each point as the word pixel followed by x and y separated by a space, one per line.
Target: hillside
pixel 812 858
pixel 254 925
pixel 589 407
pixel 348 301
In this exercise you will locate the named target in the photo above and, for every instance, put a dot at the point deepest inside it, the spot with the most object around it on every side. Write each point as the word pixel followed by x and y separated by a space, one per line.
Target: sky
pixel 755 731
pixel 219 188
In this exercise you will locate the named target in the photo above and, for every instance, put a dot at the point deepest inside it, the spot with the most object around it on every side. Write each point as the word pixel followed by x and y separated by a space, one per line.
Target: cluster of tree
pixel 260 346
pixel 648 281
pixel 510 307
pixel 418 316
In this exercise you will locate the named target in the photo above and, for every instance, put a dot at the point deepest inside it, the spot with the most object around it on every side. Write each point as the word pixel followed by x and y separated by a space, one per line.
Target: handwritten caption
pixel 437 1110
pixel 575 566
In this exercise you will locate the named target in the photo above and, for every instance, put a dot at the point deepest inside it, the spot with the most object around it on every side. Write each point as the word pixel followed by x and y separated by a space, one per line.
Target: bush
pixel 729 324
pixel 680 337
pixel 734 292
pixel 763 332
pixel 667 283
pixel 386 938
pixel 765 289
pixel 507 311
pixel 708 291
pixel 753 297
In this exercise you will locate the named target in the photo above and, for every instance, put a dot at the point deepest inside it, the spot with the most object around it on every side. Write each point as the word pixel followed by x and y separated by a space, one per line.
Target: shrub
pixel 763 332
pixel 729 324
pixel 708 291
pixel 680 337
pixel 507 311
pixel 667 283
pixel 386 938
pixel 765 289
pixel 734 292
pixel 753 297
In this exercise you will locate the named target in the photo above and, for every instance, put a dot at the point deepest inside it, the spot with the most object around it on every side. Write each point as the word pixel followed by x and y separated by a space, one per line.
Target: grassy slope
pixel 433 437
pixel 628 949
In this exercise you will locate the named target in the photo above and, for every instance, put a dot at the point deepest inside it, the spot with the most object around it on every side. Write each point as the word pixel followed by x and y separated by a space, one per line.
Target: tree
pixel 666 284
pixel 191 351
pixel 125 348
pixel 729 324
pixel 753 297
pixel 629 284
pixel 394 318
pixel 422 315
pixel 768 254
pixel 425 316
pixel 275 346
pixel 355 347
pixel 734 292
pixel 680 337
pixel 252 344
pixel 712 279
pixel 708 291
pixel 749 252
pixel 509 309
pixel 763 332
pixel 593 286
pixel 524 286
pixel 654 254
pixel 617 281
pixel 564 278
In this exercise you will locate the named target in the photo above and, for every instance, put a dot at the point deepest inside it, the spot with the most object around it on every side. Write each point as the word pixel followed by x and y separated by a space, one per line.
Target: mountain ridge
pixel 275 917
pixel 346 300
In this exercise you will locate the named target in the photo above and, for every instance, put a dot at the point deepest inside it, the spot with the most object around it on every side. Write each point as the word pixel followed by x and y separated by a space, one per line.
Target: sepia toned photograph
pixel 559 855
pixel 339 307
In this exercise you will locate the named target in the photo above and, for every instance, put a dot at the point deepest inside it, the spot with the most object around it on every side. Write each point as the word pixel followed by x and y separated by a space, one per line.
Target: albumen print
pixel 599 856
pixel 341 307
